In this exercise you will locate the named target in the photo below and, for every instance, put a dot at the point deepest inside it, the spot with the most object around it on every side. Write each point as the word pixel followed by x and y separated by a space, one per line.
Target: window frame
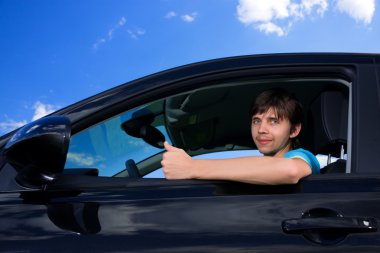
pixel 263 81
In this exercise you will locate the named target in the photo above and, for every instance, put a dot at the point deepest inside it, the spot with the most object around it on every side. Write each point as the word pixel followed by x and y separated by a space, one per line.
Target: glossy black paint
pixel 86 213
pixel 38 151
pixel 157 216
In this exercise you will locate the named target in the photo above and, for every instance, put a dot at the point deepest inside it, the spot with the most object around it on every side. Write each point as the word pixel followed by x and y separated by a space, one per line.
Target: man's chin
pixel 267 152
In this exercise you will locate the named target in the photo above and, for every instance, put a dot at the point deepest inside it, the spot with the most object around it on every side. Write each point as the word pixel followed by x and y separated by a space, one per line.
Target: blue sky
pixel 54 53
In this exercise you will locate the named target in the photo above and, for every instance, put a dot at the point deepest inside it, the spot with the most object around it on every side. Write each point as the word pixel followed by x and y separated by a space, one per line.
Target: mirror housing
pixel 38 151
pixel 139 126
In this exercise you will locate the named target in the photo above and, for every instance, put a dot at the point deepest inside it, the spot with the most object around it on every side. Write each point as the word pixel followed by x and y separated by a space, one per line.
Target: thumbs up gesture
pixel 176 163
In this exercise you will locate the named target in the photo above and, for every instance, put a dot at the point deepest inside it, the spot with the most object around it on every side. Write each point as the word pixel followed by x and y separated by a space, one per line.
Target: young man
pixel 276 123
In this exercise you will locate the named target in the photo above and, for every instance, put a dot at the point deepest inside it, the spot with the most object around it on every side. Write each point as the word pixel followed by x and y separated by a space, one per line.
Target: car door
pixel 335 213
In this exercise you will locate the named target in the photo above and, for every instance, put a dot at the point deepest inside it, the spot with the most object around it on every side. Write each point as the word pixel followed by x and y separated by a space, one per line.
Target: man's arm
pixel 256 170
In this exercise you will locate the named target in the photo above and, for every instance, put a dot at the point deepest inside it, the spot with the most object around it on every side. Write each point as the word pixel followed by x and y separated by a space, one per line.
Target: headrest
pixel 191 118
pixel 329 120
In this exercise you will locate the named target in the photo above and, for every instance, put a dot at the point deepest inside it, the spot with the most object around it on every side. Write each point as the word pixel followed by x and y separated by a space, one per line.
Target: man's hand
pixel 176 164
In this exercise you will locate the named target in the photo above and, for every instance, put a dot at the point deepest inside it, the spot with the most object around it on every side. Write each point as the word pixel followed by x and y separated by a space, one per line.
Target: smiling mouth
pixel 263 142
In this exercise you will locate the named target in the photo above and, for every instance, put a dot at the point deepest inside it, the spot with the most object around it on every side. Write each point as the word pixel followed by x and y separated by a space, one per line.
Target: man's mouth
pixel 263 141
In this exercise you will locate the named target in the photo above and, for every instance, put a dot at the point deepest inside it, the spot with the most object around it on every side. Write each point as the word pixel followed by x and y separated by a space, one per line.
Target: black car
pixel 87 178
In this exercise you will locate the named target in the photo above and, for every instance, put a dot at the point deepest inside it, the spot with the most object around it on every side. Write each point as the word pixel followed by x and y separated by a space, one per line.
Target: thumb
pixel 169 147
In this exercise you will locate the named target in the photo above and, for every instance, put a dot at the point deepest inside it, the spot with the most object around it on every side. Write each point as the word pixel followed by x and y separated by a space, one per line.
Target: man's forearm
pixel 255 170
pixel 177 164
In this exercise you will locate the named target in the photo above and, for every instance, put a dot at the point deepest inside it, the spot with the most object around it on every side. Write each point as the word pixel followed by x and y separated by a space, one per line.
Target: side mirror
pixel 38 151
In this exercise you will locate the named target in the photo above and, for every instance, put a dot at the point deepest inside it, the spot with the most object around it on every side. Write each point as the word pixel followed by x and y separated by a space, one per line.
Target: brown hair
pixel 285 105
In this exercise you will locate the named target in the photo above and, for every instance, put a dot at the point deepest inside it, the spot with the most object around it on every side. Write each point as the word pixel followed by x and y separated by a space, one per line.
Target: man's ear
pixel 295 130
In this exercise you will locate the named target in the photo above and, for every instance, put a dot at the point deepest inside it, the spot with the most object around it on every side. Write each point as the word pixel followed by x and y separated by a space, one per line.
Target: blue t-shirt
pixel 307 157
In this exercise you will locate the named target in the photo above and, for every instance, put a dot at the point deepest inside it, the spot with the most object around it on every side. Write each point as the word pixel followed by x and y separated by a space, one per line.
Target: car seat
pixel 328 120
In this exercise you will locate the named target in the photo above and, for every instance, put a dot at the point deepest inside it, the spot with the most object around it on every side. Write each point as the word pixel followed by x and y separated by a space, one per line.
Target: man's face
pixel 271 134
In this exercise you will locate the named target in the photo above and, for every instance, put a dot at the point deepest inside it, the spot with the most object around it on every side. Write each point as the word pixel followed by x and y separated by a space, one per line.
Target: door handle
pixel 345 225
pixel 327 227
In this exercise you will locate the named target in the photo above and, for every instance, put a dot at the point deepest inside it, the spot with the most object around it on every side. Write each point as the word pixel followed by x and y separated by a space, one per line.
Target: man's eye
pixel 274 121
pixel 255 121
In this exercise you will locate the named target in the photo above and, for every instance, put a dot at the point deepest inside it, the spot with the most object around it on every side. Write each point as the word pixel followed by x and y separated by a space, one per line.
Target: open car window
pixel 211 122
pixel 108 146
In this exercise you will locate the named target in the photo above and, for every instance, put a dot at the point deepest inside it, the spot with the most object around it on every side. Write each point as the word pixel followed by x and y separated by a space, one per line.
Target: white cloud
pixel 271 28
pixel 135 33
pixel 189 17
pixel 278 16
pixel 320 6
pixel 110 33
pixel 81 159
pixel 10 125
pixel 252 11
pixel 41 110
pixel 122 21
pixel 98 43
pixel 360 10
pixel 170 15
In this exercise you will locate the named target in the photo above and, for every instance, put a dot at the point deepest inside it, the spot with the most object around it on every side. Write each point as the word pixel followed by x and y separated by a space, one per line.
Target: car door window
pixel 207 121
pixel 107 146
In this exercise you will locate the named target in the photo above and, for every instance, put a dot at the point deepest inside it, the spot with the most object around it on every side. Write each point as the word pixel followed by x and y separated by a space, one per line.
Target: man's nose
pixel 263 128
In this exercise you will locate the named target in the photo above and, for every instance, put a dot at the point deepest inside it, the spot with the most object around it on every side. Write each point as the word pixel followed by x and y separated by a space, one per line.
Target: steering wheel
pixel 133 171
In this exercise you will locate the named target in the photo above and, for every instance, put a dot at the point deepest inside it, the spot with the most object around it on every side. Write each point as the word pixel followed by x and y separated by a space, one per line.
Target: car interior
pixel 215 118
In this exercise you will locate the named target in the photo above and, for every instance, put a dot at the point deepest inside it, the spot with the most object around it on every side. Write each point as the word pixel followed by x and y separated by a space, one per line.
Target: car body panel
pixel 171 217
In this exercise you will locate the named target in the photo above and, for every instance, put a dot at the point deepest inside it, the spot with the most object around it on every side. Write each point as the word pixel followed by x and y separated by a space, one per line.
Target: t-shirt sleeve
pixel 307 157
